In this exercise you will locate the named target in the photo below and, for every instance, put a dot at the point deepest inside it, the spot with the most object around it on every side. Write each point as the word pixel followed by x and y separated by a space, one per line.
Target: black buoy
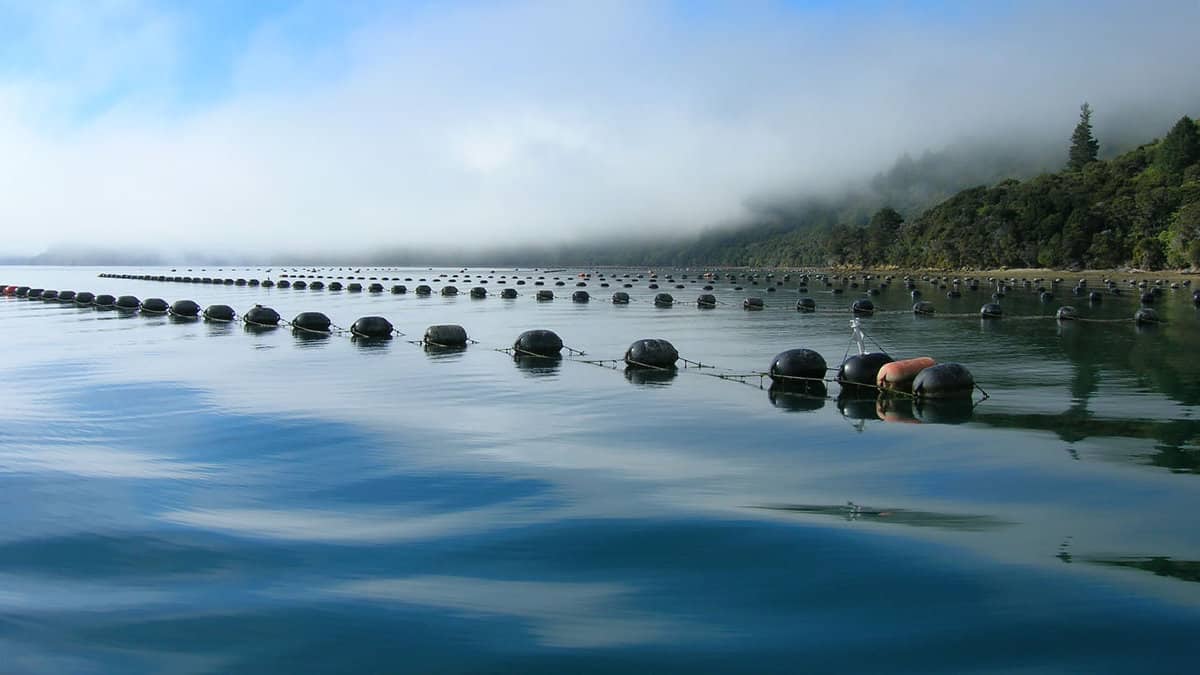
pixel 1148 298
pixel 620 298
pixel 806 305
pixel 315 322
pixel 545 295
pixel 267 283
pixel 283 283
pixel 861 369
pixel 706 301
pixel 752 304
pixel 335 286
pixel 49 295
pixel 316 286
pixel 580 296
pixel 261 316
pixel 1095 297
pixel 299 284
pixel 508 293
pixel 798 366
pixel 219 313
pixel 923 307
pixel 128 302
pixel 663 300
pixel 1046 296
pixel 944 380
pixel 155 306
pixel 423 290
pixel 372 327
pixel 354 287
pixel 651 353
pixel 185 308
pixel 538 343
pixel 1145 315
pixel 862 307
pixel 446 290
pixel 478 292
pixel 378 288
pixel 1066 313
pixel 66 296
pixel 446 335
pixel 991 311
pixel 399 289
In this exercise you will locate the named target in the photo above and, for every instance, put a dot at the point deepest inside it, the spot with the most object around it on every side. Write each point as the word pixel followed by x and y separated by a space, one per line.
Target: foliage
pixel 1084 146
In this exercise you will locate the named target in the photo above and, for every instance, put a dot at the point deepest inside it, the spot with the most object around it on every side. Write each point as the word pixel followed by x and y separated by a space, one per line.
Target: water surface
pixel 182 496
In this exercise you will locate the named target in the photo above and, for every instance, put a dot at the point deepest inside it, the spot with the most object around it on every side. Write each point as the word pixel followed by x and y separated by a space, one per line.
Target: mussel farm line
pixel 867 284
pixel 799 371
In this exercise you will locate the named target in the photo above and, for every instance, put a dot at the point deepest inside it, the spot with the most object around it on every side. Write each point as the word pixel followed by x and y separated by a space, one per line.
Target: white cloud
pixel 537 121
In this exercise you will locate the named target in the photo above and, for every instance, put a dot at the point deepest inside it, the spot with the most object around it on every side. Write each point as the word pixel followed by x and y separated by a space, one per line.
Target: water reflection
pixel 537 366
pixel 1163 566
pixel 799 398
pixel 371 345
pixel 859 512
pixel 943 411
pixel 856 406
pixel 650 377
pixel 444 352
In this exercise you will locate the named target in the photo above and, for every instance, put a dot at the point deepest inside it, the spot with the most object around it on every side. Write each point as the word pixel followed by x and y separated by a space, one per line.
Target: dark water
pixel 188 497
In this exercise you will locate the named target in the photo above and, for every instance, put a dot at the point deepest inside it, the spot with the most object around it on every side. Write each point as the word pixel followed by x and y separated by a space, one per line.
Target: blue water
pixel 190 497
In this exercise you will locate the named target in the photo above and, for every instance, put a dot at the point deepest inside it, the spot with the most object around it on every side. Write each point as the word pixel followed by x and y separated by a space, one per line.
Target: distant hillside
pixel 1141 208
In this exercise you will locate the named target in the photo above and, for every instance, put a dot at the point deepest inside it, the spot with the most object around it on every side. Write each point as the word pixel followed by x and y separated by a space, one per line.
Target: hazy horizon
pixel 234 129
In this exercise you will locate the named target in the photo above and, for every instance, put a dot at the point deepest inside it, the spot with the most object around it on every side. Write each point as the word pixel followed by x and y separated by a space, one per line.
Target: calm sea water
pixel 189 497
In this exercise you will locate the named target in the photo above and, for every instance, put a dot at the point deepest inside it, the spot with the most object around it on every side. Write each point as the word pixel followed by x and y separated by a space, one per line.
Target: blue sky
pixel 435 122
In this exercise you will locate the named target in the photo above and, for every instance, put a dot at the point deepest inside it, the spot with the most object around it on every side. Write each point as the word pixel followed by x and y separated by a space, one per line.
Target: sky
pixel 210 126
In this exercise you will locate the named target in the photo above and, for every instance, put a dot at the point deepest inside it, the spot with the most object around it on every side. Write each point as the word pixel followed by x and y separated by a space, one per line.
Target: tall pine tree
pixel 1084 146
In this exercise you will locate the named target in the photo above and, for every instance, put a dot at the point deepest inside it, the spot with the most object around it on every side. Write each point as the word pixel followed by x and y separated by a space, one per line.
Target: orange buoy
pixel 899 374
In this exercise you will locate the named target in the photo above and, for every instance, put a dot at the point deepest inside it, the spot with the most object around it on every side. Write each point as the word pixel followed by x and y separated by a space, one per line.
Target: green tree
pixel 1180 148
pixel 1084 146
